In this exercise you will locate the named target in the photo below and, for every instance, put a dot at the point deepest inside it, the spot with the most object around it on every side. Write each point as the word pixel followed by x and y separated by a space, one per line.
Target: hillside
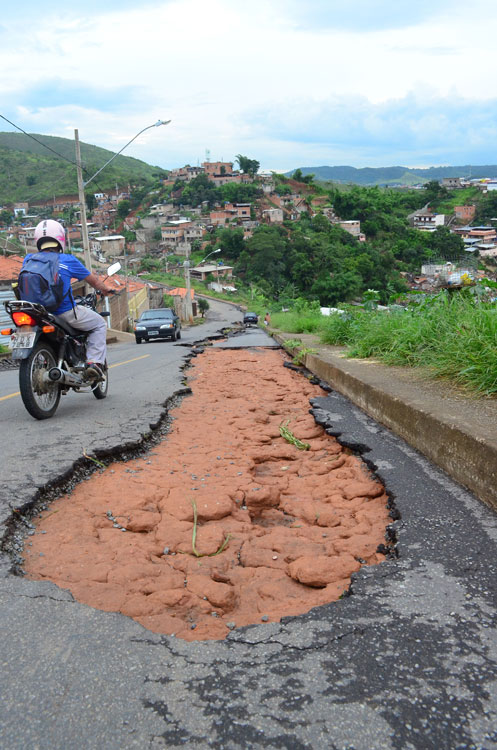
pixel 395 175
pixel 29 171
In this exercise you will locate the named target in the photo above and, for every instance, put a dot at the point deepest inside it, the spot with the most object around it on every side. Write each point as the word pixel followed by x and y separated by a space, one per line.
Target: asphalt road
pixel 407 661
pixel 141 379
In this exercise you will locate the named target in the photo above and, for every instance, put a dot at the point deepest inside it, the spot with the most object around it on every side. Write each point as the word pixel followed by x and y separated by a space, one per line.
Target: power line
pixel 39 142
pixel 61 156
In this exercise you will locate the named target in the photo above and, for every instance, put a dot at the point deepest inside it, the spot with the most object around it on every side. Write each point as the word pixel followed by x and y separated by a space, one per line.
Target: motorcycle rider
pixel 50 236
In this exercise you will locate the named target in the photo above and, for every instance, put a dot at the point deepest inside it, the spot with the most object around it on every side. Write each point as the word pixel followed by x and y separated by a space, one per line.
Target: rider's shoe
pixel 94 371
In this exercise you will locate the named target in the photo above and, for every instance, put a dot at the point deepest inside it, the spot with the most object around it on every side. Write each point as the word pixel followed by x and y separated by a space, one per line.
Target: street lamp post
pixel 211 253
pixel 188 304
pixel 208 256
pixel 188 301
pixel 82 184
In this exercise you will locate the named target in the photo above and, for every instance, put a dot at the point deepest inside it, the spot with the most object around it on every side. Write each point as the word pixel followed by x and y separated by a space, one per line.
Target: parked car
pixel 250 317
pixel 162 323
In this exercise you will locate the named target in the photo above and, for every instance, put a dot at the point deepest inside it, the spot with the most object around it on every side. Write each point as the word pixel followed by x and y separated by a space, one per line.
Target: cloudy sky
pixel 288 82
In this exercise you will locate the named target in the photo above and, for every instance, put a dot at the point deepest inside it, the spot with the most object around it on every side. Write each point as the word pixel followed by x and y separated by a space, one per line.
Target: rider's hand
pixel 106 291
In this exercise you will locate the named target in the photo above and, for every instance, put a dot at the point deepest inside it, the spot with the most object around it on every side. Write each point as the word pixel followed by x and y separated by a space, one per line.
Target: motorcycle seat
pixel 67 328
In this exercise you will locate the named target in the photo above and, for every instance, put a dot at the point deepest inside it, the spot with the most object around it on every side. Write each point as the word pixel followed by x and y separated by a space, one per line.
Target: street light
pixel 82 184
pixel 212 253
pixel 207 256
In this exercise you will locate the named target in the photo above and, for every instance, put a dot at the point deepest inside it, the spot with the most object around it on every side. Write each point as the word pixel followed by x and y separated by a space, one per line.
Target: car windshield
pixel 154 314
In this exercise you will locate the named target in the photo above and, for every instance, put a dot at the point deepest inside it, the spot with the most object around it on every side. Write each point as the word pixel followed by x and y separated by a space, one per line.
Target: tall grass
pixel 452 337
pixel 298 322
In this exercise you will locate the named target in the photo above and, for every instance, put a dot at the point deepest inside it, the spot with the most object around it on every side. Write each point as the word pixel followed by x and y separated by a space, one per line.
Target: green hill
pixel 30 172
pixel 394 175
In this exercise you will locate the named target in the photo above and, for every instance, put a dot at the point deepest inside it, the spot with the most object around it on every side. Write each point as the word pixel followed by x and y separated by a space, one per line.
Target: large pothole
pixel 225 523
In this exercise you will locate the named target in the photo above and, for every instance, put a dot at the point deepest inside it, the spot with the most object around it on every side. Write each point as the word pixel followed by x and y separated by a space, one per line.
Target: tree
pixel 90 201
pixel 298 176
pixel 123 208
pixel 203 306
pixel 5 216
pixel 247 166
pixel 434 191
pixel 231 241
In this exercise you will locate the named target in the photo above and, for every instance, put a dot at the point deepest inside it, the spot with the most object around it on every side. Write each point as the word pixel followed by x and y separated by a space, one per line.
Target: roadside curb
pixel 114 336
pixel 433 426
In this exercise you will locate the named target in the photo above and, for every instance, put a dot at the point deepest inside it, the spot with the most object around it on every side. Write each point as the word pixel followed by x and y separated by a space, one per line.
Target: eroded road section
pixel 225 523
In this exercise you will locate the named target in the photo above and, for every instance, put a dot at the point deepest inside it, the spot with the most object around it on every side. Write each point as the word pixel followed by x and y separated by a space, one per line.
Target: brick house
pixel 201 272
pixel 109 246
pixel 352 226
pixel 273 215
pixel 465 214
pixel 21 209
pixel 452 183
pixel 220 168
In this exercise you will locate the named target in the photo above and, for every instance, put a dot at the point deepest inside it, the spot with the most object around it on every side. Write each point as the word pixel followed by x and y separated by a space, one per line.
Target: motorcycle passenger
pixel 50 236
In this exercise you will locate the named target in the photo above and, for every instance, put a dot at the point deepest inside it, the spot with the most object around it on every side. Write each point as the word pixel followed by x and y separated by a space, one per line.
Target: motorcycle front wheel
pixel 40 398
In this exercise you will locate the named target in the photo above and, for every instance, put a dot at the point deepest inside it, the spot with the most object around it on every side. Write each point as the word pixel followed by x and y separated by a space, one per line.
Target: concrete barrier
pixel 458 433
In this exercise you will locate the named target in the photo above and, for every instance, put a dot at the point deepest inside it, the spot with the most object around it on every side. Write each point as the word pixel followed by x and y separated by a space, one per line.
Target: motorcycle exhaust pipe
pixel 63 377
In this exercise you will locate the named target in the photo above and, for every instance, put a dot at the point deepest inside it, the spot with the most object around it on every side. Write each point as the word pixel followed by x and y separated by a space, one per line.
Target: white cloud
pixel 217 68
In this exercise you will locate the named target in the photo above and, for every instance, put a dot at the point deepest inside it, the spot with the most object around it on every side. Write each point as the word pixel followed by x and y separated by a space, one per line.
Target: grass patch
pixel 451 336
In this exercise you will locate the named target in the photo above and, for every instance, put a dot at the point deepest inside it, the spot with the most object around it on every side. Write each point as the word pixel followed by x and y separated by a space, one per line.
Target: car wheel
pixel 138 341
pixel 178 334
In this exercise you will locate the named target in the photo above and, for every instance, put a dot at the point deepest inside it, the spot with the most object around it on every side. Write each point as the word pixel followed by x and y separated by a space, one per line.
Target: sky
pixel 365 83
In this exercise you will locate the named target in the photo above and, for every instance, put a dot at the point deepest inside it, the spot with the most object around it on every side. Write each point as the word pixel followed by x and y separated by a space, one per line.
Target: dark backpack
pixel 40 281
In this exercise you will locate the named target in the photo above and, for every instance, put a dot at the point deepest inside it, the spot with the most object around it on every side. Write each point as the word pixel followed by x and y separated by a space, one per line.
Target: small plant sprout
pixel 194 538
pixel 290 437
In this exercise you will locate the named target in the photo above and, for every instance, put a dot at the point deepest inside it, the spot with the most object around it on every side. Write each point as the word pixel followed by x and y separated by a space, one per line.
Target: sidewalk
pixel 456 431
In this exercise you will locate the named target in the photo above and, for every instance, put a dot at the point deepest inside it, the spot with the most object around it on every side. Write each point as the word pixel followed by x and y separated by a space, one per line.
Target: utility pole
pixel 81 191
pixel 188 299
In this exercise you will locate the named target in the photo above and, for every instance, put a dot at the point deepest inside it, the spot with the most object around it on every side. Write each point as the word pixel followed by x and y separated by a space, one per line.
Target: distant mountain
pixel 29 171
pixel 394 175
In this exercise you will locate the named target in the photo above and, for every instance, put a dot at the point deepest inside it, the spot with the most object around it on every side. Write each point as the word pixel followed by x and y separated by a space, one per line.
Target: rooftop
pixel 10 267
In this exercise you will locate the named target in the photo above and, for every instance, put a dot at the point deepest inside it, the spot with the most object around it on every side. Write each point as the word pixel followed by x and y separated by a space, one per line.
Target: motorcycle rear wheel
pixel 41 399
pixel 101 388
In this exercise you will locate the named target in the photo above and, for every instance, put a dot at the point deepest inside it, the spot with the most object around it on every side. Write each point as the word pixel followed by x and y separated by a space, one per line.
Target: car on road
pixel 160 323
pixel 250 317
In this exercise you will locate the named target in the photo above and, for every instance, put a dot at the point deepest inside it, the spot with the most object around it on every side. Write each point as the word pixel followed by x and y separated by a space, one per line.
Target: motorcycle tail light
pixel 48 329
pixel 7 331
pixel 23 319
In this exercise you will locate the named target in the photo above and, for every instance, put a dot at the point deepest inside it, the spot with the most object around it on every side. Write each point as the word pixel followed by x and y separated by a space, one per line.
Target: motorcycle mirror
pixel 114 268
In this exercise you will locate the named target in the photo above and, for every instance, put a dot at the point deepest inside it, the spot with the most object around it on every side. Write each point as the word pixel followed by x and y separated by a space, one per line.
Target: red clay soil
pixel 298 523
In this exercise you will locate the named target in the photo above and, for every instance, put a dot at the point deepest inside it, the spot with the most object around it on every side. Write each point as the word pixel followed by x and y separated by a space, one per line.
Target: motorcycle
pixel 51 354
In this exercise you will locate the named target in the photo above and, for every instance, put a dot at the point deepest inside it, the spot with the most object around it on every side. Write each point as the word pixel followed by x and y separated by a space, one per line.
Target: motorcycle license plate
pixel 22 340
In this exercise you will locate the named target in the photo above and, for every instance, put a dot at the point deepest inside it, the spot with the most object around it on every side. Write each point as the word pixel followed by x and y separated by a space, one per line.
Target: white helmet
pixel 50 235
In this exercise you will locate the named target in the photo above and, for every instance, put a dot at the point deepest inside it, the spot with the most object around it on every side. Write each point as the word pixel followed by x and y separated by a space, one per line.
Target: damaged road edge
pixel 18 526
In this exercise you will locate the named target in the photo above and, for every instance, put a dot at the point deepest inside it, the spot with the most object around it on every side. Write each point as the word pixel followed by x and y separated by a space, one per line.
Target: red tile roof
pixel 119 283
pixel 180 292
pixel 10 265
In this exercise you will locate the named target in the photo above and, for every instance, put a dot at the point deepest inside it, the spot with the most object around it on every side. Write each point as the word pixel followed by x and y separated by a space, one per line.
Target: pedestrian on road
pixel 267 319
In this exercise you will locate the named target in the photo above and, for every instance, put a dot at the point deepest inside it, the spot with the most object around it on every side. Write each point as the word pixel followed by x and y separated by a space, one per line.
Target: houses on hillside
pixel 218 172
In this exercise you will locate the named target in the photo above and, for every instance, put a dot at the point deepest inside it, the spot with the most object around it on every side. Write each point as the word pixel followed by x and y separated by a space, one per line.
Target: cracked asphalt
pixel 408 660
